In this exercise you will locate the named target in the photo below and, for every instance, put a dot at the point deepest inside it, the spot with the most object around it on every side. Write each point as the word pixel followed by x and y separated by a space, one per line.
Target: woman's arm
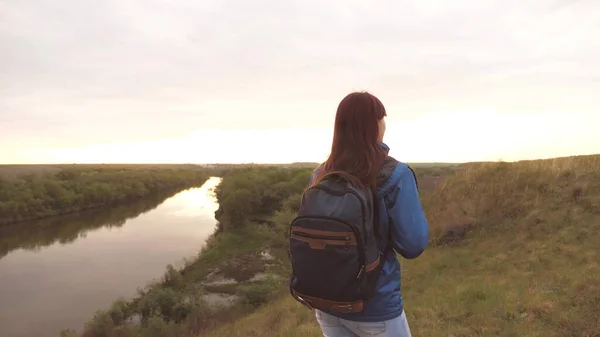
pixel 408 224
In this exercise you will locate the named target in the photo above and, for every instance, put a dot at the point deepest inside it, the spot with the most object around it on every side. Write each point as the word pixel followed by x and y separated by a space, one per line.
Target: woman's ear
pixel 381 127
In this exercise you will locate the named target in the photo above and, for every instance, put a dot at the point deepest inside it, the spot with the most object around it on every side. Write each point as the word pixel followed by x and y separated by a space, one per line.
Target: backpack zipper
pixel 325 237
pixel 354 228
pixel 364 219
pixel 345 191
pixel 360 271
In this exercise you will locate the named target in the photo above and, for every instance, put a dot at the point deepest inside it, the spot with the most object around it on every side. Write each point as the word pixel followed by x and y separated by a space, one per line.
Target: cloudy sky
pixel 239 81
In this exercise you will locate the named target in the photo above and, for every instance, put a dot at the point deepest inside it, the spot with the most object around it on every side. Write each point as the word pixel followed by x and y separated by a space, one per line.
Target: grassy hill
pixel 515 252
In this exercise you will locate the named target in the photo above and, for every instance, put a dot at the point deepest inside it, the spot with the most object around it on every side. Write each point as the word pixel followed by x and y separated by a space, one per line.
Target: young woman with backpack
pixel 361 208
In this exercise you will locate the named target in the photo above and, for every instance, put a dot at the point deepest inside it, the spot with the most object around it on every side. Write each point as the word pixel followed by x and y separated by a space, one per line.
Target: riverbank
pixel 83 262
pixel 35 192
pixel 240 268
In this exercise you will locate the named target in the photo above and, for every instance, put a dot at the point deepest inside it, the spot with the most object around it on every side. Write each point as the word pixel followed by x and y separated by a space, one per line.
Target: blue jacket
pixel 401 211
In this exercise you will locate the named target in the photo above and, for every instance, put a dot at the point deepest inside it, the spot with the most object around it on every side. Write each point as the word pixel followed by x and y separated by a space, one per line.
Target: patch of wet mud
pixel 218 300
pixel 242 268
pixel 258 277
pixel 215 278
pixel 221 283
pixel 266 255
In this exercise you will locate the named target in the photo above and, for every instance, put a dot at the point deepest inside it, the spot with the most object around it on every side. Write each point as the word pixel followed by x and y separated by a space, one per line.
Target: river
pixel 56 273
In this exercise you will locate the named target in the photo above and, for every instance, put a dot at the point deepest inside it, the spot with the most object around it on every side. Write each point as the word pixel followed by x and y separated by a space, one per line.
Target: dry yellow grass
pixel 515 252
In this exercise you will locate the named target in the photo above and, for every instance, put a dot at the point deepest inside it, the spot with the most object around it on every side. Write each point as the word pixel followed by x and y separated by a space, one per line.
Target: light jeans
pixel 337 327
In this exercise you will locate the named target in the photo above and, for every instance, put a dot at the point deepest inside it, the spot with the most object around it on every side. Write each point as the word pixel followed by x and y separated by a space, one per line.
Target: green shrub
pixel 259 292
pixel 68 333
pixel 101 325
pixel 118 312
pixel 172 277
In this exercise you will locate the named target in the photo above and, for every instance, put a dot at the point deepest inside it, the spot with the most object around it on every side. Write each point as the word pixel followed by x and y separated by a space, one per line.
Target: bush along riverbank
pixel 36 234
pixel 72 189
pixel 241 267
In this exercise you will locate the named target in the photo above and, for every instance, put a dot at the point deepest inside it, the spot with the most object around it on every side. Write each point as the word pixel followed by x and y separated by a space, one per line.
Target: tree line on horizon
pixel 75 189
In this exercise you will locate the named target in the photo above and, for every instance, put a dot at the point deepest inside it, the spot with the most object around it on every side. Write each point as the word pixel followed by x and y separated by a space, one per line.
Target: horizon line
pixel 291 163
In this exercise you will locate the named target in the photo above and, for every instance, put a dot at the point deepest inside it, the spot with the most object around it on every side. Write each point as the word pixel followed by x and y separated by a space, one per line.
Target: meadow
pixel 513 252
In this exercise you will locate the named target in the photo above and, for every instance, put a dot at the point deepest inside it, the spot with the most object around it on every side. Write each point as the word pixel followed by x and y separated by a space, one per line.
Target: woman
pixel 359 151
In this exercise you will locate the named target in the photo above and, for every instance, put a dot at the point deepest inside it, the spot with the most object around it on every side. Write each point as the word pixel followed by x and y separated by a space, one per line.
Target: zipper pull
pixel 360 271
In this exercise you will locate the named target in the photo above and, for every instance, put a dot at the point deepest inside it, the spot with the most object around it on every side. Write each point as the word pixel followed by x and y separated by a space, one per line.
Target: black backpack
pixel 333 247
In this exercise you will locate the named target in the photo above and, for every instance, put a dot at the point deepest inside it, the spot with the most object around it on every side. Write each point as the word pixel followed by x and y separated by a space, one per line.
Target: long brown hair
pixel 355 151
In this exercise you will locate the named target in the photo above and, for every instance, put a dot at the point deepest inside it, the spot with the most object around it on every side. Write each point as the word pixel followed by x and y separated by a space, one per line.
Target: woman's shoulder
pixel 391 173
pixel 387 170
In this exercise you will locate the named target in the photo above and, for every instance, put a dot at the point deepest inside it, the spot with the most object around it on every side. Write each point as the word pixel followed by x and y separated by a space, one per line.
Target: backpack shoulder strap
pixel 414 175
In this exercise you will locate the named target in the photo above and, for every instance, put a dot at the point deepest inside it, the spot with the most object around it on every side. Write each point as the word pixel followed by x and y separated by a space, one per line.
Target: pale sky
pixel 259 81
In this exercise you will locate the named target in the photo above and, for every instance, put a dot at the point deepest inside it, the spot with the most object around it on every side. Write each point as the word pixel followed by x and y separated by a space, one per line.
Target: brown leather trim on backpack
pixel 326 305
pixel 322 243
pixel 320 232
pixel 373 265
